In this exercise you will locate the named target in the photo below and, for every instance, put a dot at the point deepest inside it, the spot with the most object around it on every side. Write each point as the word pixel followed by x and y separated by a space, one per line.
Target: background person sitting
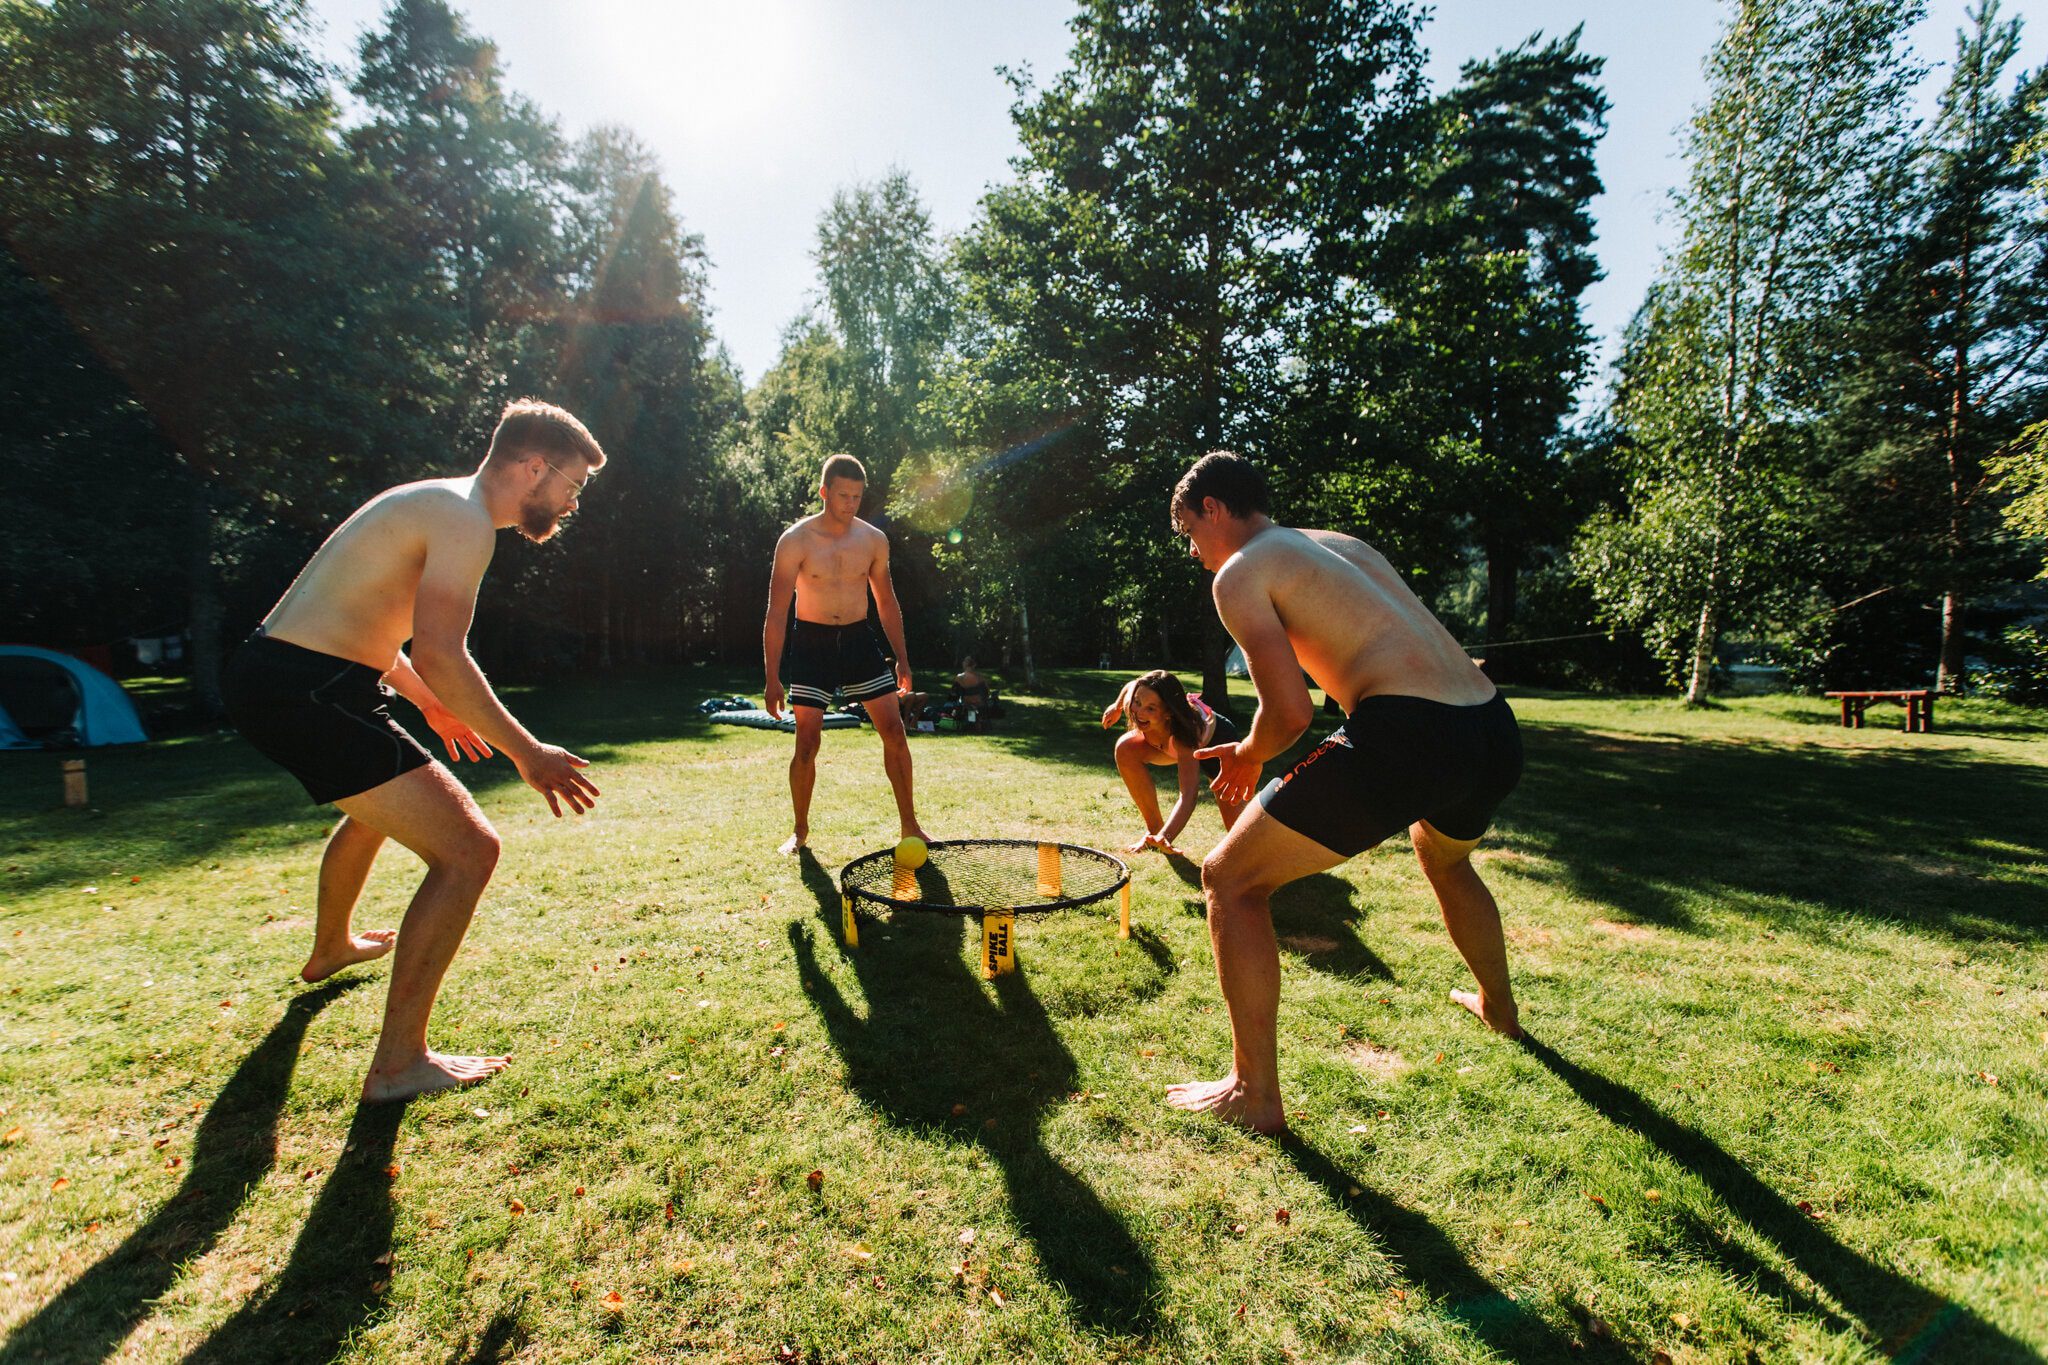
pixel 973 695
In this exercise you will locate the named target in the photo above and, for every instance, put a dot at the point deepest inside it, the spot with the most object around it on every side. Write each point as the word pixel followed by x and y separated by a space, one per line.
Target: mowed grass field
pixel 1784 1098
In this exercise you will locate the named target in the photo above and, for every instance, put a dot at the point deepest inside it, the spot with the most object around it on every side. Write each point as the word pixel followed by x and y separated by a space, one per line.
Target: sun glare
pixel 717 75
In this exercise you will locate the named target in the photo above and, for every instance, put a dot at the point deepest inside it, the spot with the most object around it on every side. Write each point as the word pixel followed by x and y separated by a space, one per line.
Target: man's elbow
pixel 1295 717
pixel 437 663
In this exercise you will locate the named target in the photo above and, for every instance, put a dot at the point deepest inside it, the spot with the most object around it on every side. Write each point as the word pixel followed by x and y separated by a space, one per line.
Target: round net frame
pixel 986 876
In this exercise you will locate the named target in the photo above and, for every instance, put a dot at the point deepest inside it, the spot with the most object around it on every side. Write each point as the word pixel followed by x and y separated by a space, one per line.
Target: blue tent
pixel 49 699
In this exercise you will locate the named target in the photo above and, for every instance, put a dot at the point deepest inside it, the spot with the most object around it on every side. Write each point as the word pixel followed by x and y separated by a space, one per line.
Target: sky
pixel 758 110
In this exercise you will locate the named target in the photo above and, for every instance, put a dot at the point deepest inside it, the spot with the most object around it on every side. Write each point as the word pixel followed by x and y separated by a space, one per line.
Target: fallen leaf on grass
pixel 959 1111
pixel 861 1251
pixel 816 1180
pixel 515 1207
pixel 1282 1217
pixel 1597 1199
pixel 481 1113
pixel 1239 1315
pixel 1682 1322
pixel 10 1137
pixel 996 1294
pixel 1653 1195
pixel 967 1238
pixel 392 1170
pixel 1987 1078
pixel 613 1303
pixel 579 1191
pixel 1521 1222
pixel 59 1183
pixel 161 1143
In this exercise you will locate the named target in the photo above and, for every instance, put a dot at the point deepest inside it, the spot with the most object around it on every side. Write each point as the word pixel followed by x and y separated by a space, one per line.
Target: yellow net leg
pixel 1123 911
pixel 998 943
pixel 1049 871
pixel 849 927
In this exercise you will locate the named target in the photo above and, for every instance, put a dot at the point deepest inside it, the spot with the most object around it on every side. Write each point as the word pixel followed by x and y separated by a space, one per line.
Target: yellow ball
pixel 910 852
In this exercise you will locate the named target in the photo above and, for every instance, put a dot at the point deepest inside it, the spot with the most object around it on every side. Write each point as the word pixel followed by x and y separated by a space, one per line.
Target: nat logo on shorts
pixel 1336 737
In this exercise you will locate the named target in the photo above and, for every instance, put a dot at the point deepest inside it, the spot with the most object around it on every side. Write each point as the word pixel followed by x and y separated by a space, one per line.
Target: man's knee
pixel 1229 881
pixel 474 853
pixel 1439 854
pixel 807 741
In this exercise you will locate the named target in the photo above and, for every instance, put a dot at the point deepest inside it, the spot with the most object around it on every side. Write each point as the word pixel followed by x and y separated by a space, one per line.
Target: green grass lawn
pixel 1783 1099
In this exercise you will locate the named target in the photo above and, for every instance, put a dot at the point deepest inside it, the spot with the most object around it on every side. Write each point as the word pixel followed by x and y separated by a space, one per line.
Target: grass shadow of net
pixel 234 1147
pixel 1430 1260
pixel 1908 1320
pixel 335 1280
pixel 932 1039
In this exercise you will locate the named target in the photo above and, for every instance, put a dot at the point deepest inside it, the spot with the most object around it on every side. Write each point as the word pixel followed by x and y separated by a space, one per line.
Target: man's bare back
pixel 1355 626
pixel 355 597
pixel 833 570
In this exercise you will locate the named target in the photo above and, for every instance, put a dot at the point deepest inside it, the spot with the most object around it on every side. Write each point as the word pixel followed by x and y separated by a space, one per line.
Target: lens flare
pixel 938 500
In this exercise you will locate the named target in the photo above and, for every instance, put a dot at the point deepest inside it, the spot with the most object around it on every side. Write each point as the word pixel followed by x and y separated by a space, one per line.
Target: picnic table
pixel 1918 701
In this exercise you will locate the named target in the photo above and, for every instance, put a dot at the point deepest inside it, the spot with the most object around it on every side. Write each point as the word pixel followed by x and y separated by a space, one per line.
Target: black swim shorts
pixel 321 718
pixel 820 660
pixel 1394 761
pixel 1224 733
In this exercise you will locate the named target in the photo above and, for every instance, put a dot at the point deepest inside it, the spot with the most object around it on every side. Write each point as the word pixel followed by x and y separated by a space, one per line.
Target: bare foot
pixel 916 832
pixel 1504 1022
pixel 364 947
pixel 435 1071
pixel 1230 1100
pixel 792 844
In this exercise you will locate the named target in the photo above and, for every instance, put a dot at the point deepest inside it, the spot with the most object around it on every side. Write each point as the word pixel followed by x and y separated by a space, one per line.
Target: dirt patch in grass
pixel 1634 933
pixel 1371 1057
pixel 1529 935
pixel 1309 944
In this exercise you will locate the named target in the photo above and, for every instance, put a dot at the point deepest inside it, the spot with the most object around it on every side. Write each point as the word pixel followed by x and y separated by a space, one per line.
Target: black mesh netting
pixel 968 876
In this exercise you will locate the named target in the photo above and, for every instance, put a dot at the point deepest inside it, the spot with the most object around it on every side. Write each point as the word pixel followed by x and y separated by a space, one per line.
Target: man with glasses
pixel 307 690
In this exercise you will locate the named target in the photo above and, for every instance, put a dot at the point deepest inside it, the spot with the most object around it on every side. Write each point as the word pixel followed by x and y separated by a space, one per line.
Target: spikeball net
pixel 997 879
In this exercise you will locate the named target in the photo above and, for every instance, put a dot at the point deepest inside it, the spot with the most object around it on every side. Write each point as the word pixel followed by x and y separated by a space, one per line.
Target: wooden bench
pixel 1918 701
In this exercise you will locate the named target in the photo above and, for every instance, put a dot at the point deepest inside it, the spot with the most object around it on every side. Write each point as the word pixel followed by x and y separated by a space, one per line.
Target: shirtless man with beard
pixel 829 562
pixel 305 689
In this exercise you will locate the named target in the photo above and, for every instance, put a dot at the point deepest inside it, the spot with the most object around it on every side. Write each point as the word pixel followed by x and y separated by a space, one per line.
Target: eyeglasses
pixel 579 487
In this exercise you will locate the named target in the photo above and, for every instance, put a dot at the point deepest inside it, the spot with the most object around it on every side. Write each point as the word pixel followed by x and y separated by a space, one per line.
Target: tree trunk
pixel 1503 563
pixel 1215 654
pixel 204 624
pixel 1024 629
pixel 1704 641
pixel 1949 673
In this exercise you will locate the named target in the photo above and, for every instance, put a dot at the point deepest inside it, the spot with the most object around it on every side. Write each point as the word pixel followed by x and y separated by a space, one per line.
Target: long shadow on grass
pixel 1910 1321
pixel 233 1149
pixel 933 1039
pixel 1428 1258
pixel 334 1281
pixel 1932 839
